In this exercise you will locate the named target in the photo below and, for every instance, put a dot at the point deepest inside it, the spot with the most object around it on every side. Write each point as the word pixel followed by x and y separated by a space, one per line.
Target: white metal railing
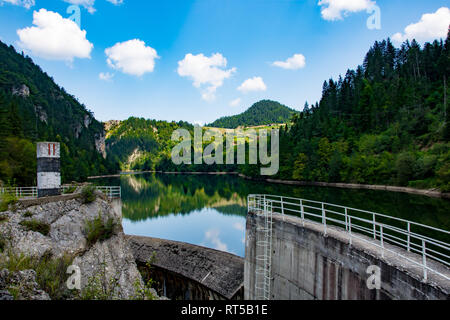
pixel 411 236
pixel 32 192
pixel 264 260
pixel 21 193
pixel 111 192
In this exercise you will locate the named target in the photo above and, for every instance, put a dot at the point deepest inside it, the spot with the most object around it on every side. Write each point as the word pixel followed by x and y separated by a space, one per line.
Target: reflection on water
pixel 210 210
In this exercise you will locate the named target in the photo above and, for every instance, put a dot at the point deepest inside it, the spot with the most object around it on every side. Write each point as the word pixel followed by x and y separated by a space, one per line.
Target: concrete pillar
pixel 48 169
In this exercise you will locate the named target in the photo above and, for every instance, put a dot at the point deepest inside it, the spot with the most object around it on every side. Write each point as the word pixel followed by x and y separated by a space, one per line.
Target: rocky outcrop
pixel 25 284
pixel 41 114
pixel 66 219
pixel 100 143
pixel 22 91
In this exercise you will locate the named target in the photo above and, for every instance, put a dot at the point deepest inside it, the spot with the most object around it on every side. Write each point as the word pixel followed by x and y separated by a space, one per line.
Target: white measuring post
pixel 48 169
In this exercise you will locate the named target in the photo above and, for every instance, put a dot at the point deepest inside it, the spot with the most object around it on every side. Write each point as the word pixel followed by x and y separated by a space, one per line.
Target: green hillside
pixel 140 144
pixel 265 112
pixel 33 108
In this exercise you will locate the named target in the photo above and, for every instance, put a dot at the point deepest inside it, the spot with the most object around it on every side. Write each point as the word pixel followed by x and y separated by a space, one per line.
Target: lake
pixel 211 211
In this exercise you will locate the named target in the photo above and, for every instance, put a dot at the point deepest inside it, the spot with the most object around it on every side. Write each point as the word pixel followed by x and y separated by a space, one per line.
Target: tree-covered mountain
pixel 387 122
pixel 33 108
pixel 265 112
pixel 140 144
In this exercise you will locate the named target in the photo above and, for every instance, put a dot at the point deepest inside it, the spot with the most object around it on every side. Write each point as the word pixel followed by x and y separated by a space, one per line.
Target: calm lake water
pixel 211 210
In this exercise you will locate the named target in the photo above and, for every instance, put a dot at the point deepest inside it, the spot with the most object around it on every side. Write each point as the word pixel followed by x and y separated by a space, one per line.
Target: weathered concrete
pixel 306 264
pixel 220 272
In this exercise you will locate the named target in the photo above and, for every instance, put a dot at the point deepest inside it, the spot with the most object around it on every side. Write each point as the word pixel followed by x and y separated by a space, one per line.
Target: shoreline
pixel 423 192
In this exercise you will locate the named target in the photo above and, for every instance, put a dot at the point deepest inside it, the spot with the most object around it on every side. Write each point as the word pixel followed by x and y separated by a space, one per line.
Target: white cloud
pixel 132 57
pixel 115 2
pixel 213 237
pixel 297 61
pixel 206 72
pixel 235 102
pixel 430 27
pixel 105 76
pixel 336 9
pixel 23 3
pixel 253 84
pixel 54 37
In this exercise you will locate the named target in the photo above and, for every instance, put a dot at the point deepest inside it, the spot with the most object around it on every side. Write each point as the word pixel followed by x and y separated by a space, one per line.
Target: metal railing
pixel 32 192
pixel 111 192
pixel 21 193
pixel 429 242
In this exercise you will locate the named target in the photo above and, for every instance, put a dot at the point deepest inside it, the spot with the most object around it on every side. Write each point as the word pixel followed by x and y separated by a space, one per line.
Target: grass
pixel 7 199
pixel 36 226
pixel 70 190
pixel 50 272
pixel 97 230
pixel 28 214
pixel 88 194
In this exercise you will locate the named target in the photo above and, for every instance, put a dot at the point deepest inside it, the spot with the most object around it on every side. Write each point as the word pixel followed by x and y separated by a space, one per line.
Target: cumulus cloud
pixel 105 76
pixel 132 57
pixel 337 9
pixel 207 73
pixel 54 37
pixel 430 27
pixel 213 237
pixel 253 84
pixel 297 61
pixel 23 3
pixel 115 2
pixel 235 102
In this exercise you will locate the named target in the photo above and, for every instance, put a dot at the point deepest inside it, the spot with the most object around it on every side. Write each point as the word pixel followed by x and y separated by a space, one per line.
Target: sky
pixel 199 60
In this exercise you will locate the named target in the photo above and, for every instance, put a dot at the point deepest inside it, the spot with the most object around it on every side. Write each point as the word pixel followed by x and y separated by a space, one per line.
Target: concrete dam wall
pixel 308 265
pixel 188 272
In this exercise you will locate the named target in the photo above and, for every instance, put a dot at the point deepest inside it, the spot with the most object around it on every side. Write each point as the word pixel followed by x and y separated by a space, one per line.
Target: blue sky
pixel 147 43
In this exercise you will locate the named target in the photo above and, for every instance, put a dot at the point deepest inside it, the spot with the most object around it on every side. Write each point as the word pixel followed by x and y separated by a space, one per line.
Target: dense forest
pixel 265 112
pixel 384 123
pixel 140 144
pixel 33 108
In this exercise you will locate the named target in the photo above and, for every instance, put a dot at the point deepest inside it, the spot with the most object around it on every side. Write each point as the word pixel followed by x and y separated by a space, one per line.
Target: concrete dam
pixel 304 257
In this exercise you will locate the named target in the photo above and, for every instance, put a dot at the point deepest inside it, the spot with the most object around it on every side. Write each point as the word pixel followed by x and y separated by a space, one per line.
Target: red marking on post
pixel 49 152
pixel 54 149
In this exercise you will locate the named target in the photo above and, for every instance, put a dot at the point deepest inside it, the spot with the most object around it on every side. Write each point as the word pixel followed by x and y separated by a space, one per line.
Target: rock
pixel 87 121
pixel 23 91
pixel 25 284
pixel 100 143
pixel 41 114
pixel 111 258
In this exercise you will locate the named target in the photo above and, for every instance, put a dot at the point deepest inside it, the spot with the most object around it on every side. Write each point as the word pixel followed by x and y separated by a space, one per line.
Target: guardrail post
pixel 350 229
pixel 282 206
pixel 346 219
pixel 409 236
pixel 382 240
pixel 424 261
pixel 374 227
pixel 302 210
pixel 324 219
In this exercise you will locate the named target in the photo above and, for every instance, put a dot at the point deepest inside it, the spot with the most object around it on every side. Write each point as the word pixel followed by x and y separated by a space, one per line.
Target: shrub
pixel 70 190
pixel 7 199
pixel 88 194
pixel 2 244
pixel 97 230
pixel 28 214
pixel 99 288
pixel 51 273
pixel 36 226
